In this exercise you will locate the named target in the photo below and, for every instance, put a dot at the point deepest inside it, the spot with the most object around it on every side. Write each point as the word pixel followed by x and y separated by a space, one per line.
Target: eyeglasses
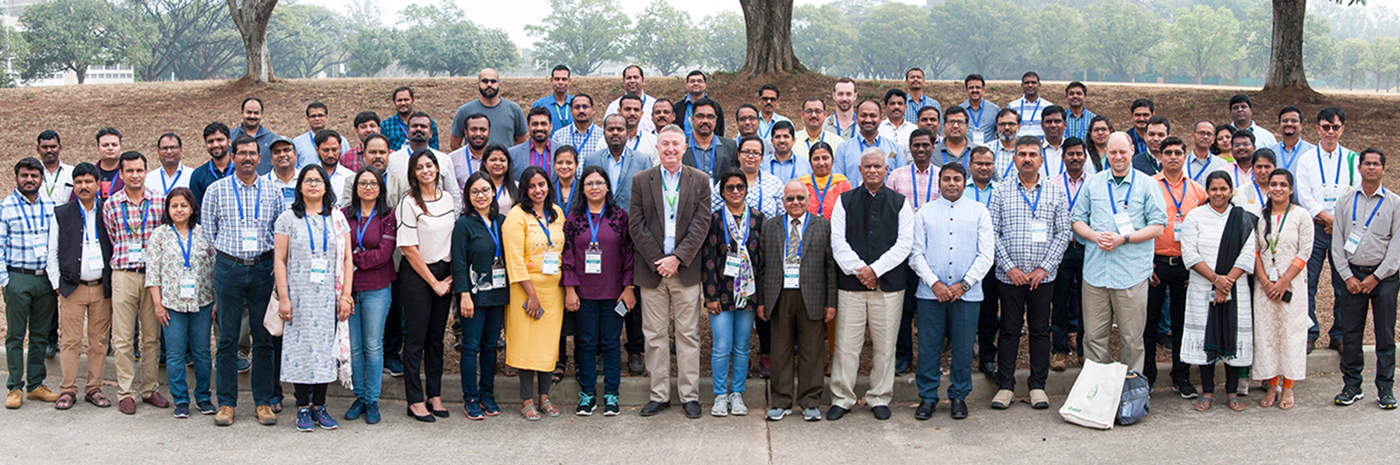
pixel 954 122
pixel 367 185
pixel 768 99
pixel 813 111
pixel 480 192
pixel 735 187
pixel 794 198
pixel 490 81
pixel 595 184
pixel 313 182
pixel 750 152
pixel 748 118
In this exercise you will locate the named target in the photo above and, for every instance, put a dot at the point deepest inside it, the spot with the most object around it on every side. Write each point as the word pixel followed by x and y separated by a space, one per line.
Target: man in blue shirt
pixel 251 126
pixel 1077 117
pixel 305 144
pixel 30 301
pixel 559 103
pixel 916 100
pixel 216 142
pixel 1118 219
pixel 981 129
pixel 847 158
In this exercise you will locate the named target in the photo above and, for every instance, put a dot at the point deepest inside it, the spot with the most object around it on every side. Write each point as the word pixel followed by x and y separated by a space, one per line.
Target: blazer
pixel 681 105
pixel 646 224
pixel 726 156
pixel 817 273
pixel 69 249
pixel 633 163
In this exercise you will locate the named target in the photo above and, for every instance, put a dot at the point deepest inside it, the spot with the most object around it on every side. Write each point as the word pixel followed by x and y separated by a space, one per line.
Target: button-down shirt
pixel 980 195
pixel 1004 166
pixel 129 224
pixel 158 180
pixel 1015 213
pixel 560 114
pixel 765 126
pixel 786 170
pixel 1180 197
pixel 1072 187
pixel 223 222
pixel 644 143
pixel 1198 169
pixel 803 142
pixel 264 138
pixel 204 176
pixel 24 231
pixel 167 268
pixel 1129 264
pixel 1030 112
pixel 670 188
pixel 1288 157
pixel 288 188
pixel 91 248
pixel 846 257
pixel 919 187
pixel 464 163
pixel 847 156
pixel 953 242
pixel 1052 161
pixel 1078 126
pixel 981 123
pixel 1324 176
pixel 586 141
pixel 942 155
pixel 643 125
pixel 898 134
pixel 307 154
pixel 1262 137
pixel 833 125
pixel 1376 248
pixel 764 195
pixel 395 130
pixel 58 186
pixel 912 107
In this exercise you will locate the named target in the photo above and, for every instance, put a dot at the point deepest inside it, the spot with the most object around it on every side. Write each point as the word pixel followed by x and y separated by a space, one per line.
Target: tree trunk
pixel 768 24
pixel 251 18
pixel 1286 51
pixel 81 72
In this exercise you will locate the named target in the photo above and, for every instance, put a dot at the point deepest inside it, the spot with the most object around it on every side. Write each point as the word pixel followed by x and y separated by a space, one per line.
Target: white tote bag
pixel 272 320
pixel 1093 401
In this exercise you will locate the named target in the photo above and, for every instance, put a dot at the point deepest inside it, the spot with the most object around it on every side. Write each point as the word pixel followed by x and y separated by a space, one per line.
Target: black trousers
pixel 636 342
pixel 425 320
pixel 393 325
pixel 1351 308
pixel 568 328
pixel 1232 378
pixel 1173 276
pixel 791 327
pixel 1066 303
pixel 310 394
pixel 904 340
pixel 987 322
pixel 1022 306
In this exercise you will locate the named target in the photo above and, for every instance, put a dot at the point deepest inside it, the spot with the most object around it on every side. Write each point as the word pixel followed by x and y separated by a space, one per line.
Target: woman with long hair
pixel 730 273
pixel 1284 239
pixel 1097 145
pixel 479 279
pixel 372 248
pixel 533 239
pixel 1222 147
pixel 496 162
pixel 426 218
pixel 179 271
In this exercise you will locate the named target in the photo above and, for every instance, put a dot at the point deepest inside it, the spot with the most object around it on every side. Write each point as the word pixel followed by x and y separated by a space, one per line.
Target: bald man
pixel 507 121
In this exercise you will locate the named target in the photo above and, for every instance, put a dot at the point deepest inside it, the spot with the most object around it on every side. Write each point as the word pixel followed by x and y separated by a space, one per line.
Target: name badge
pixel 593 259
pixel 40 244
pixel 731 265
pixel 1353 240
pixel 289 195
pixel 1040 233
pixel 790 275
pixel 620 308
pixel 137 253
pixel 551 263
pixel 1176 232
pixel 498 274
pixel 978 137
pixel 247 239
pixel 1272 272
pixel 92 258
pixel 670 228
pixel 319 270
pixel 187 288
pixel 1330 192
pixel 1125 224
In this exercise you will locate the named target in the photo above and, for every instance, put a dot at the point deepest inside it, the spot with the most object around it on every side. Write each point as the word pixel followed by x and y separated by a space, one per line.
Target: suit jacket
pixel 817 273
pixel 633 163
pixel 1146 163
pixel 726 157
pixel 681 105
pixel 646 224
pixel 69 250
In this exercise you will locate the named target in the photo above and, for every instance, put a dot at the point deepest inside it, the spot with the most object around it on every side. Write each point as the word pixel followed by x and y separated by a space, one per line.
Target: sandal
pixel 65 400
pixel 1236 403
pixel 1204 402
pixel 1270 396
pixel 528 410
pixel 1286 401
pixel 96 398
pixel 548 407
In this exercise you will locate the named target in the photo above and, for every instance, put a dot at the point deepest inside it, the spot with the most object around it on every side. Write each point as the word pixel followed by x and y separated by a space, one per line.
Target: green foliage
pixel 1123 34
pixel 437 40
pixel 984 31
pixel 1351 56
pixel 1202 41
pixel 305 41
pixel 1057 41
pixel 370 50
pixel 71 35
pixel 887 38
pixel 1382 58
pixel 12 47
pixel 665 38
pixel 822 38
pixel 580 34
pixel 1320 49
pixel 724 47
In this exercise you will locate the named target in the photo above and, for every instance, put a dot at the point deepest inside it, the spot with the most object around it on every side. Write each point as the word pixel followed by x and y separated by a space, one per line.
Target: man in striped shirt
pixel 25 219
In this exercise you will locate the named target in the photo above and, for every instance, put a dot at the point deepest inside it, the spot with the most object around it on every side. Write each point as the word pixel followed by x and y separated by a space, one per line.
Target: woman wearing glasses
pixel 373 234
pixel 479 278
pixel 730 275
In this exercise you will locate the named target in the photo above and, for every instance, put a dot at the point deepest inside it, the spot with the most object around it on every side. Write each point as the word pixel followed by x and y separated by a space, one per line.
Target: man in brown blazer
pixel 798 295
pixel 668 220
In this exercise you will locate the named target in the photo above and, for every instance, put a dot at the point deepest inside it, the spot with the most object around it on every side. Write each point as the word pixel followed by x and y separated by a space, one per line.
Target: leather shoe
pixel 42 394
pixel 925 410
pixel 692 409
pixel 156 400
pixel 1334 344
pixel 882 412
pixel 266 416
pixel 635 365
pixel 224 417
pixel 1058 362
pixel 958 409
pixel 836 412
pixel 653 408
pixel 990 369
pixel 127 406
pixel 14 399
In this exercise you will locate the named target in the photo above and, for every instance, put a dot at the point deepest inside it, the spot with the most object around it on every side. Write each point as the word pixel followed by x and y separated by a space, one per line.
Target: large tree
pixel 1286 53
pixel 580 34
pixel 664 39
pixel 69 35
pixel 251 17
pixel 1202 40
pixel 768 28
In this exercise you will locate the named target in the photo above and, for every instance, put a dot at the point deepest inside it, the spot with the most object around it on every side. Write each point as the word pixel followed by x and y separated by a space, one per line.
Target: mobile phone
pixel 1287 296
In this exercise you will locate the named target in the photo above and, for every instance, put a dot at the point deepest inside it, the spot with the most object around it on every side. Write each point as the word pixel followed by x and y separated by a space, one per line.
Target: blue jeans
pixel 957 322
pixel 242 287
pixel 599 331
pixel 188 331
pixel 479 334
pixel 1322 250
pixel 367 342
pixel 730 355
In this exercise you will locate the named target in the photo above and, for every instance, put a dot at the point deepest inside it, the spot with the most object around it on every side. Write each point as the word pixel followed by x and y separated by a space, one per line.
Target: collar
pixel 574 129
pixel 1083 175
pixel 1380 191
pixel 801 220
pixel 914 168
pixel 665 172
pixel 1162 176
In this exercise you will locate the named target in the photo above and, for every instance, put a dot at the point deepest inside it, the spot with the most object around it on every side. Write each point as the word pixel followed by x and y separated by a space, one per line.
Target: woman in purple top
pixel 597 265
pixel 373 230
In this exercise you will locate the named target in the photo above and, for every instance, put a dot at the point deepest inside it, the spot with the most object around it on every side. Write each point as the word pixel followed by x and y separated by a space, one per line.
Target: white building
pixel 118 73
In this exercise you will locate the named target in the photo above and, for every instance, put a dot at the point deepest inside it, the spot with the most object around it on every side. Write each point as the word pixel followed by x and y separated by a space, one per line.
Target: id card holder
pixel 593 259
pixel 319 270
pixel 791 275
pixel 550 265
pixel 1176 232
pixel 289 195
pixel 731 265
pixel 247 239
pixel 1040 233
pixel 1272 273
pixel 40 244
pixel 187 288
pixel 620 308
pixel 1125 224
pixel 92 258
pixel 1330 194
pixel 498 274
pixel 1353 241
pixel 670 228
pixel 136 253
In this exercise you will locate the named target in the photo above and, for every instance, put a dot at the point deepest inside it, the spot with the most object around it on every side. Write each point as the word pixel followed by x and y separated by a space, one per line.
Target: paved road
pixel 1315 431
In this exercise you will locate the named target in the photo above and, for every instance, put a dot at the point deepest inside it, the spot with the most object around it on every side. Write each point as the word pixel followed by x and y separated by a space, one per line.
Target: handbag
pixel 1093 401
pixel 272 320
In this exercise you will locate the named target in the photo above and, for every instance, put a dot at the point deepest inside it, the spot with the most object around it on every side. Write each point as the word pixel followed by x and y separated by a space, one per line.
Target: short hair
pixel 534 111
pixel 1052 110
pixel 1027 140
pixel 1073 141
pixel 745 139
pixel 1240 98
pixel 669 128
pixel 1242 133
pixel 696 72
pixel 922 132
pixel 783 126
pixel 1078 84
pixel 749 106
pixel 814 99
pixel 1160 120
pixel 929 108
pixel 398 89
pixel 980 150
pixel 243 139
pixel 769 87
pixel 108 131
pixel 374 136
pixel 1170 141
pixel 1007 111
pixel 560 67
pixel 1369 150
pixel 954 110
pixel 418 114
pixel 705 102
pixel 130 155
pixel 86 169
pixel 910 70
pixel 1330 113
pixel 659 100
pixel 626 97
pixel 251 99
pixel 320 105
pixel 569 149
pixel 367 116
pixel 893 92
pixel 325 135
pixel 954 167
pixel 638 68
pixel 178 142
pixel 973 77
pixel 844 80
pixel 211 129
pixel 580 94
pixel 1030 74
pixel 1290 109
pixel 878 104
pixel 29 163
pixel 48 134
pixel 820 145
pixel 1142 102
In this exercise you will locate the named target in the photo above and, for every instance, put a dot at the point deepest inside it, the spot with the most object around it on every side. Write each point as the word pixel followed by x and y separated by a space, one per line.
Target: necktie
pixel 793 243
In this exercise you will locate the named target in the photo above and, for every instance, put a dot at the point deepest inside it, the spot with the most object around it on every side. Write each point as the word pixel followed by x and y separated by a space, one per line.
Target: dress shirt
pixel 1030 111
pixel 803 142
pixel 1129 264
pixel 1262 137
pixel 980 195
pixel 644 143
pixel 464 163
pixel 645 125
pixel 1052 161
pixel 223 222
pixel 586 141
pixel 1003 164
pixel 1323 175
pixel 941 154
pixel 288 188
pixel 91 247
pixel 846 257
pixel 1377 247
pixel 1190 195
pixel 339 178
pixel 159 181
pixel 765 126
pixel 1198 169
pixel 1078 126
pixel 898 134
pixel 1013 216
pixel 305 146
pixel 912 107
pixel 1288 157
pixel 670 186
pixel 24 229
pixel 560 114
pixel 918 187
pixel 130 224
pixel 58 186
pixel 1072 188
pixel 847 157
pixel 981 123
pixel 953 242
pixel 793 168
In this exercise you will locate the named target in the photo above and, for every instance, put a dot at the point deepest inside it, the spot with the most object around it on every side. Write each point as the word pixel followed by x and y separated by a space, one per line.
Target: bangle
pixel 347 299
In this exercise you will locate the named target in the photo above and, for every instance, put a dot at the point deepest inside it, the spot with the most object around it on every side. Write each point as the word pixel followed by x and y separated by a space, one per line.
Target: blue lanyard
pixel 499 191
pixel 1196 177
pixel 761 125
pixel 861 141
pixel 565 203
pixel 83 214
pixel 977 193
pixel 362 227
pixel 836 120
pixel 821 193
pixel 1009 166
pixel 43 220
pixel 1126 197
pixel 217 175
pixel 543 157
pixel 325 235
pixel 1288 160
pixel 547 236
pixel 1046 162
pixel 1356 198
pixel 965 158
pixel 792 173
pixel 695 150
pixel 760 191
pixel 638 142
pixel 593 227
pixel 1175 201
pixel 1033 110
pixel 748 223
pixel 805 223
pixel 573 138
pixel 1139 144
pixel 126 220
pixel 821 137
pixel 913 175
pixel 184 246
pixel 170 186
pixel 257 205
pixel 1258 194
pixel 1337 175
pixel 1075 197
pixel 976 117
pixel 1236 171
pixel 1033 206
pixel 111 187
pixel 492 231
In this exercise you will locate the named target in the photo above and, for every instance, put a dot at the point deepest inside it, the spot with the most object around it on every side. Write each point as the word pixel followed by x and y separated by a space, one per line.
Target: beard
pixel 488 92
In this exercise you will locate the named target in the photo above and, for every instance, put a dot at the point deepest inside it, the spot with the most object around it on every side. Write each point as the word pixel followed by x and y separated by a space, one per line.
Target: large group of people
pixel 894 220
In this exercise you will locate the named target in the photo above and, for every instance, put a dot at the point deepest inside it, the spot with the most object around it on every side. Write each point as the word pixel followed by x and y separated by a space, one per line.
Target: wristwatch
pixel 965 286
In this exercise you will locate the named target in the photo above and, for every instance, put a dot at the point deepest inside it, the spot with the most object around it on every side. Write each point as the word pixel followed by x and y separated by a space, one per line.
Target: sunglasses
pixel 794 198
pixel 735 187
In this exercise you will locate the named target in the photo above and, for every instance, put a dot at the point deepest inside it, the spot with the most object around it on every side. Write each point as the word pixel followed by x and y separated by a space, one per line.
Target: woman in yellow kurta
pixel 533 238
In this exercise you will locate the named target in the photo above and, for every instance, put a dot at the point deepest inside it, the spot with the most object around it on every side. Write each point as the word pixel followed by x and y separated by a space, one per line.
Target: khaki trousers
pixel 86 304
pixel 1102 308
pixel 132 302
pixel 856 313
pixel 672 304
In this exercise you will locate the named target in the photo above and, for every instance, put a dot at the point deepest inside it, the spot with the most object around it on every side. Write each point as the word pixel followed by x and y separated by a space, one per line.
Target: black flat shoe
pixel 835 413
pixel 881 412
pixel 440 413
pixel 425 418
pixel 653 408
pixel 925 410
pixel 958 409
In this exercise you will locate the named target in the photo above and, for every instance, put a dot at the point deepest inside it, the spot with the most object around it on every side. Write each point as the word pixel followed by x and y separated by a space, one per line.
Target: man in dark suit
pixel 704 149
pixel 797 296
pixel 80 273
pixel 695 82
pixel 669 217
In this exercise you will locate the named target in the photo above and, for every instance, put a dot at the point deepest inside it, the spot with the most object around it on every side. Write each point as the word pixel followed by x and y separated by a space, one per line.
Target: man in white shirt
pixel 1242 114
pixel 1290 124
pixel 1030 104
pixel 171 173
pixel 768 96
pixel 328 148
pixel 1200 162
pixel 929 118
pixel 894 126
pixel 1323 176
pixel 813 113
pixel 632 80
pixel 58 176
pixel 316 117
pixel 419 125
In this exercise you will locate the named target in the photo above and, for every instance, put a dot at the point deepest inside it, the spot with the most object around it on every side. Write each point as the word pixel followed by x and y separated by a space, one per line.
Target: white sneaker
pixel 721 408
pixel 736 404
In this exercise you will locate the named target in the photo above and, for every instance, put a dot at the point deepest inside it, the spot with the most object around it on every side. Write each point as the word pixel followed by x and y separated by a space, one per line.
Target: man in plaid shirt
pixel 25 219
pixel 130 216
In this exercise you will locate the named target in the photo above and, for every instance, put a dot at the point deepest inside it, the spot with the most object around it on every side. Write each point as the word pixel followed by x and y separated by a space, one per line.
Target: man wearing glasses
pixel 1323 176
pixel 507 120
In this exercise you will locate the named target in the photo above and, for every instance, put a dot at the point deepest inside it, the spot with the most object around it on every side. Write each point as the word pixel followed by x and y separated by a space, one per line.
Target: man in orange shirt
pixel 1169 274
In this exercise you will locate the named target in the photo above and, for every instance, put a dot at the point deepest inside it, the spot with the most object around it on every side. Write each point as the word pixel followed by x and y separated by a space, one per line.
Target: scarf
pixel 744 285
pixel 1221 320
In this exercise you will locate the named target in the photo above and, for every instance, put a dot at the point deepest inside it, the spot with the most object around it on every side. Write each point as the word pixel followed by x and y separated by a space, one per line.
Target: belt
pixel 140 270
pixel 1368 270
pixel 19 270
pixel 95 282
pixel 1167 260
pixel 247 261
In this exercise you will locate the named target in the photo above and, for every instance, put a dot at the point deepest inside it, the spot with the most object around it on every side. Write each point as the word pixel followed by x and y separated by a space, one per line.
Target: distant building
pixel 117 73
